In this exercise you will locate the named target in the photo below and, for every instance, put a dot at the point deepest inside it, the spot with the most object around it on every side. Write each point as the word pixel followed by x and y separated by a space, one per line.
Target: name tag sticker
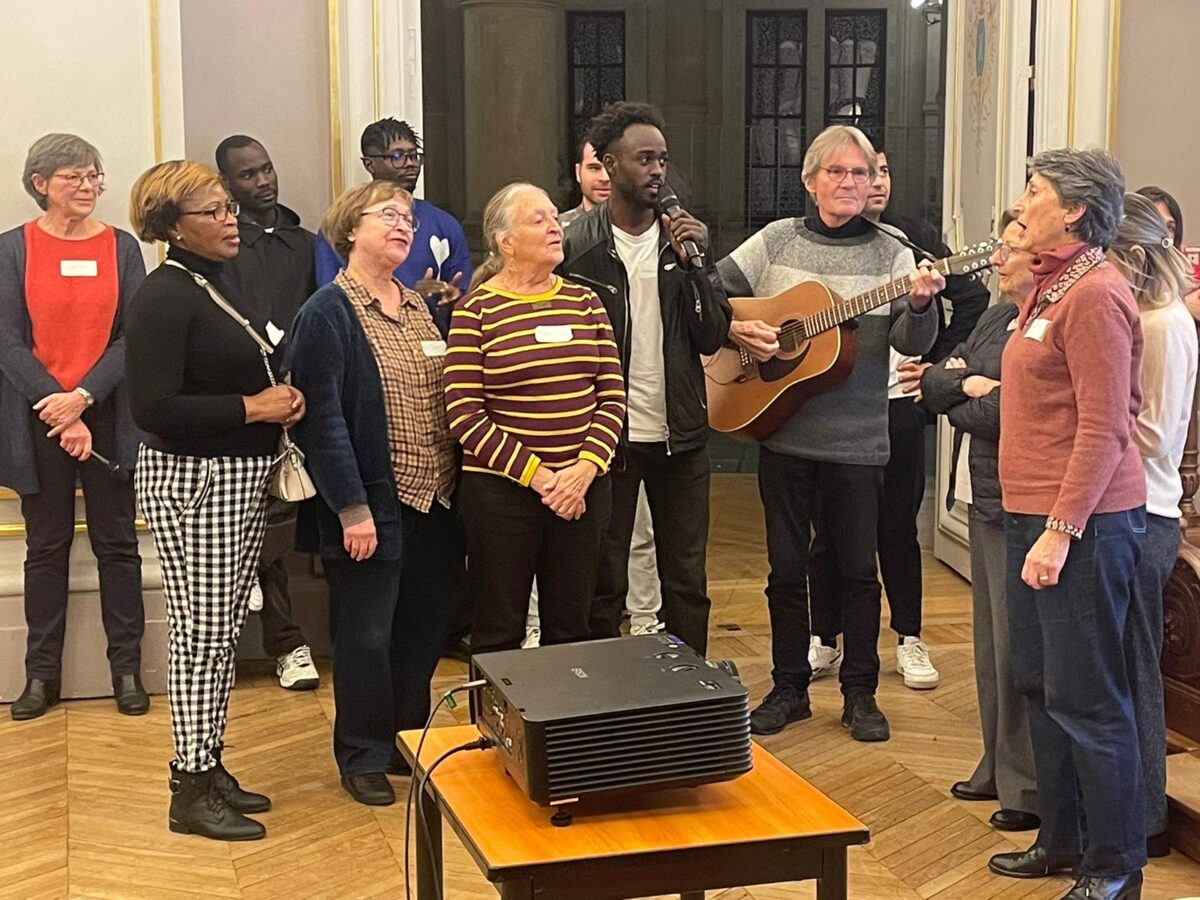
pixel 1037 329
pixel 433 349
pixel 1012 325
pixel 78 268
pixel 274 333
pixel 552 334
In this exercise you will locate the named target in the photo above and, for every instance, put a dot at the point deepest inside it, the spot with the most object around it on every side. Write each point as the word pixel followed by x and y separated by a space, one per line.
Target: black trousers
pixel 899 547
pixel 512 537
pixel 49 532
pixel 677 491
pixel 848 496
pixel 280 634
pixel 387 622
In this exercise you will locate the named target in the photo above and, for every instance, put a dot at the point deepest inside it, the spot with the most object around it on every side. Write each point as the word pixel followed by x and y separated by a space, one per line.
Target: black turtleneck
pixel 856 227
pixel 188 365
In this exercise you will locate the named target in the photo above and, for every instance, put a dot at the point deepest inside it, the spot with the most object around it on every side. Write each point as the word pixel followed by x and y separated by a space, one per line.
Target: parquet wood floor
pixel 83 790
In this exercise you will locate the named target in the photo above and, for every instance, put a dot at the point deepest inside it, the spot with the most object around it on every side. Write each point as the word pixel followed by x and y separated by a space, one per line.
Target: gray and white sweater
pixel 848 424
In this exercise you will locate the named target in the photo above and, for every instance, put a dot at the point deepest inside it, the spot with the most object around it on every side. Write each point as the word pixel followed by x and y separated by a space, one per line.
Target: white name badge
pixel 77 268
pixel 552 334
pixel 433 349
pixel 274 333
pixel 1037 329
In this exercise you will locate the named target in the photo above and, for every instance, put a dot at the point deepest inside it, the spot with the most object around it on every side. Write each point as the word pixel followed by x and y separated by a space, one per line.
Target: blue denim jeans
pixel 1069 663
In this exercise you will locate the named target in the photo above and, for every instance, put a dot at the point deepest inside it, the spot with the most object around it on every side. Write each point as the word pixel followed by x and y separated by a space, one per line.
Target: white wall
pixel 262 69
pixel 86 68
pixel 1158 115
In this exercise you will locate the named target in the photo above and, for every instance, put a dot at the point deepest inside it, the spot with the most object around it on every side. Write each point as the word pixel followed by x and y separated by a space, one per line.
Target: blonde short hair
pixel 342 217
pixel 832 139
pixel 155 203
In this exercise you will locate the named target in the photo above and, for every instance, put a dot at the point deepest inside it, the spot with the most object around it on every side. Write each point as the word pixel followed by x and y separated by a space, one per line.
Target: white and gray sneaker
pixel 533 637
pixel 823 660
pixel 912 661
pixel 296 670
pixel 653 626
pixel 255 603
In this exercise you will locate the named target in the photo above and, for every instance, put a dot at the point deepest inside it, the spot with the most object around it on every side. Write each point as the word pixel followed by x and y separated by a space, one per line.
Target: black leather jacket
pixel 695 315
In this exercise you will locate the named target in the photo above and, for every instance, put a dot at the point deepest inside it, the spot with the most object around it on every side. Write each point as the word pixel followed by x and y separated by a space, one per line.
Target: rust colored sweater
pixel 1071 398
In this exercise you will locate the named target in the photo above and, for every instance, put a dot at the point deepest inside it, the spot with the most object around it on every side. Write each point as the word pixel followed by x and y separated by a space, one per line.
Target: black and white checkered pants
pixel 207 517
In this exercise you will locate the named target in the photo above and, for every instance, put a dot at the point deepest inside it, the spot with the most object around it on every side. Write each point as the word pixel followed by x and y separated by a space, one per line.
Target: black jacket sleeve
pixel 941 388
pixel 978 416
pixel 709 312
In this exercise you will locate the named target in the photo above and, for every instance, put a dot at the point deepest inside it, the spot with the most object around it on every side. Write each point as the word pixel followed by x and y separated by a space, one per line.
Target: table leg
pixel 516 889
pixel 832 883
pixel 429 837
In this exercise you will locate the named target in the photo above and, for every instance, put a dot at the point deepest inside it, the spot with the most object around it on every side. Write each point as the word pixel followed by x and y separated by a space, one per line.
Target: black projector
pixel 572 720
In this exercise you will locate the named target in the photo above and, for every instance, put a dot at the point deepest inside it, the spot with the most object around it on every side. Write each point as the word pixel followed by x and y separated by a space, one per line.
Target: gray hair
pixel 497 222
pixel 52 152
pixel 832 139
pixel 1088 178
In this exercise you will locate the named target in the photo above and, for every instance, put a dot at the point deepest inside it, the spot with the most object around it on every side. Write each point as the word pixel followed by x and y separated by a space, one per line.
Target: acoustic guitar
pixel 749 399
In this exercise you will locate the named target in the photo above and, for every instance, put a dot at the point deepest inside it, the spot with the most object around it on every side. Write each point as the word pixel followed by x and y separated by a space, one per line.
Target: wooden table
pixel 770 825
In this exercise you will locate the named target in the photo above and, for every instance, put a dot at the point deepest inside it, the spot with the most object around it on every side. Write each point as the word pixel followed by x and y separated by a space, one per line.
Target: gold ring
pixel 1043 578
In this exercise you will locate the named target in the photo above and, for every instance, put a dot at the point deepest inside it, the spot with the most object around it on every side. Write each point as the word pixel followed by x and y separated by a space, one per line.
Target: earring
pixel 179 237
pixel 1067 228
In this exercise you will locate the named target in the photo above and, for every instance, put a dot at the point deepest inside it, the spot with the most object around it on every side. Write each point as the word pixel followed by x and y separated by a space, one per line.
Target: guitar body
pixel 749 399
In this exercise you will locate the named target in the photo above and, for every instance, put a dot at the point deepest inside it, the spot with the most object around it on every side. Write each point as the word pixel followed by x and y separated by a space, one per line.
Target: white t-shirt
pixel 645 382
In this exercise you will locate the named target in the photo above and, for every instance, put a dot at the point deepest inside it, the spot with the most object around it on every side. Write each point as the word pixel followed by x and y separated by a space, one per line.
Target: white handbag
pixel 290 481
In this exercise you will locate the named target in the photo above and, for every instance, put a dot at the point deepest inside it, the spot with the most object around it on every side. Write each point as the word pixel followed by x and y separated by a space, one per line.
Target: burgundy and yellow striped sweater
pixel 533 380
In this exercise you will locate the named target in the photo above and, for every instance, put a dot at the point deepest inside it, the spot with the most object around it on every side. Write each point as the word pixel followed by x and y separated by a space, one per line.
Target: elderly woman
pixel 966 388
pixel 1075 494
pixel 200 385
pixel 65 282
pixel 535 394
pixel 368 355
pixel 1160 277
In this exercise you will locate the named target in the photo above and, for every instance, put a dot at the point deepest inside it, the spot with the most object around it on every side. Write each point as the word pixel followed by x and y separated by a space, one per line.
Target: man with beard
pixel 665 313
pixel 274 271
pixel 439 265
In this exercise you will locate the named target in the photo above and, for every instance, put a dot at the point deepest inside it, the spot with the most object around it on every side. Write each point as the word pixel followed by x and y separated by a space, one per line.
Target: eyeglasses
pixel 218 213
pixel 393 218
pixel 839 173
pixel 76 179
pixel 398 158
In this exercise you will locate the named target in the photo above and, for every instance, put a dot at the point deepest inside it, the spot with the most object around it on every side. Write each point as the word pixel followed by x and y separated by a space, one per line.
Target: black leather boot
pixel 131 697
pixel 241 800
pixel 39 695
pixel 198 807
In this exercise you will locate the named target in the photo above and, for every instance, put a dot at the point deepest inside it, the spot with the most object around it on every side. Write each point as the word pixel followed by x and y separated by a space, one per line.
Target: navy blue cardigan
pixel 24 380
pixel 344 432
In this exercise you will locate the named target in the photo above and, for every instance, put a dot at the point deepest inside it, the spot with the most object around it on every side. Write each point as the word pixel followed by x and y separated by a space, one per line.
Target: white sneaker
pixel 533 637
pixel 912 661
pixel 823 660
pixel 652 627
pixel 296 670
pixel 256 598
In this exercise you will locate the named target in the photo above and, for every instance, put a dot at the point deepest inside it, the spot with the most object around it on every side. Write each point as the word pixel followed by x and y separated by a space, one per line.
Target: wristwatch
pixel 87 395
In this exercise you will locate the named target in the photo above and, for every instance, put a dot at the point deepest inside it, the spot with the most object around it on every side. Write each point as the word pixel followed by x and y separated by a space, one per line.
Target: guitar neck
pixel 861 304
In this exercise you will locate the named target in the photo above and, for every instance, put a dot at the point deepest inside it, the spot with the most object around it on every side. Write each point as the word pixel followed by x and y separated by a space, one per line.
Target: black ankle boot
pixel 131 697
pixel 238 799
pixel 199 807
pixel 39 695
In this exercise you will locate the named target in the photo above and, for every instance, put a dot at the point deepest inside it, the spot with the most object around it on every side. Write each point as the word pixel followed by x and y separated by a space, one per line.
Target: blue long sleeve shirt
pixel 439 244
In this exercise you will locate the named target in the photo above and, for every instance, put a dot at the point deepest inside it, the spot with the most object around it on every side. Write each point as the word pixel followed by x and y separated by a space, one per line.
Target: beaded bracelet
pixel 1053 524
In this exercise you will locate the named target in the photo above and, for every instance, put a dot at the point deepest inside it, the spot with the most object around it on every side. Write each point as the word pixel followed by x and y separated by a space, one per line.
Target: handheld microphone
pixel 114 469
pixel 668 202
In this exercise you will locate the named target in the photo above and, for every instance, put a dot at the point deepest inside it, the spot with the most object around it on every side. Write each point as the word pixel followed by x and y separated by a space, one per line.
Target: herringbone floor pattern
pixel 83 790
